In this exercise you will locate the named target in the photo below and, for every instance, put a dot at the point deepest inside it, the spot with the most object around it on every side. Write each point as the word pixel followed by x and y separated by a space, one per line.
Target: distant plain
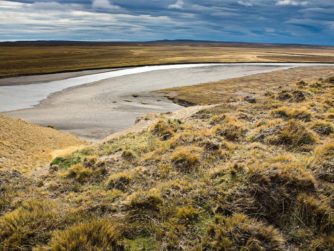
pixel 27 58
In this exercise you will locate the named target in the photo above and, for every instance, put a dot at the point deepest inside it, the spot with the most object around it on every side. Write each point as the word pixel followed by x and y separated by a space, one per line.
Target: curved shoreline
pixel 48 77
pixel 97 109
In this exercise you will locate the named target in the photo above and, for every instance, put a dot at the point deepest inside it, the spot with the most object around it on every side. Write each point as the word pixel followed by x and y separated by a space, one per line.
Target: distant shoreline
pixel 48 77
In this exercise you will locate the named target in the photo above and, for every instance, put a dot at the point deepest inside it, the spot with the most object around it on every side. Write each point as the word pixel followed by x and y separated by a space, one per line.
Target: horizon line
pixel 159 40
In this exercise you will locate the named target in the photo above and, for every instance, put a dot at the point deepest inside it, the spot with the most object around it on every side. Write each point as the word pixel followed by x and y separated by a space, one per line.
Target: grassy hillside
pixel 48 57
pixel 25 146
pixel 252 173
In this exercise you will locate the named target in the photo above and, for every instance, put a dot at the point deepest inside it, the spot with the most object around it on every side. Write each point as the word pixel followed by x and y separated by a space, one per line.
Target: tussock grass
pixel 29 225
pixel 185 160
pixel 252 176
pixel 95 235
pixel 288 113
pixel 244 233
pixel 322 127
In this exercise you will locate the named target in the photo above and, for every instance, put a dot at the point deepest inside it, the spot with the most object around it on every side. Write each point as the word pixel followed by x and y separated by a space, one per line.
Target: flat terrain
pixel 43 57
pixel 238 88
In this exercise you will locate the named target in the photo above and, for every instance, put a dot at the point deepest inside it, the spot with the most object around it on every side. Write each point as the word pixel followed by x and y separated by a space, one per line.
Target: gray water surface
pixel 97 105
pixel 19 96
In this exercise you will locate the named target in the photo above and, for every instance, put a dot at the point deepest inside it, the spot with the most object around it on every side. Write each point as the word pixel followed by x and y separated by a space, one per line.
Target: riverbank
pixel 96 110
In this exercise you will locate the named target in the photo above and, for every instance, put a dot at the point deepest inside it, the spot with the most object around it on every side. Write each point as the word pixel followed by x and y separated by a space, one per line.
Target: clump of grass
pixel 291 96
pixel 293 135
pixel 301 84
pixel 217 119
pixel 314 213
pixel 28 226
pixel 119 181
pixel 128 155
pixel 288 113
pixel 182 138
pixel 231 129
pixel 185 160
pixel 94 235
pixel 87 171
pixel 276 186
pixel 187 214
pixel 239 231
pixel 11 182
pixel 165 129
pixel 232 132
pixel 323 162
pixel 217 110
pixel 322 127
pixel 330 80
pixel 150 200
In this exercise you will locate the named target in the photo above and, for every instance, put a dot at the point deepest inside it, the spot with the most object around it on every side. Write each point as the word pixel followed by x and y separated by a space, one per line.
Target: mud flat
pixel 97 109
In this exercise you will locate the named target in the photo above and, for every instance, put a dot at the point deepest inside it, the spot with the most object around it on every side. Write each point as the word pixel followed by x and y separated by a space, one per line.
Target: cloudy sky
pixel 270 21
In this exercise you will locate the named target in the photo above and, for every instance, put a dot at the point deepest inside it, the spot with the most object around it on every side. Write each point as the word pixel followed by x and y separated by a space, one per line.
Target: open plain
pixel 28 58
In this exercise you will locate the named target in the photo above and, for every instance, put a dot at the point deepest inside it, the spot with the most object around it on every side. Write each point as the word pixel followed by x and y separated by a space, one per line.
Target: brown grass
pixel 229 177
pixel 26 146
pixel 30 58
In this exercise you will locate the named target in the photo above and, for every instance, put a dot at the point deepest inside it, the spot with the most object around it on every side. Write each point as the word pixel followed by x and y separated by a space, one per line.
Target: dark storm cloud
pixel 280 21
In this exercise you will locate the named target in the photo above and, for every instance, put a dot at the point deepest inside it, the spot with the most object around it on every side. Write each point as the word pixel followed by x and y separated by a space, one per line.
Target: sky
pixel 265 21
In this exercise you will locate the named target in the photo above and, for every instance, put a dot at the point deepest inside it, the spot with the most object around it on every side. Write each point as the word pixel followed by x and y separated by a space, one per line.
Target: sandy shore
pixel 94 111
pixel 33 79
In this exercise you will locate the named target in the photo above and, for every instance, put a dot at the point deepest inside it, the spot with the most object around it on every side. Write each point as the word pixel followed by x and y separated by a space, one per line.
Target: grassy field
pixel 42 57
pixel 254 172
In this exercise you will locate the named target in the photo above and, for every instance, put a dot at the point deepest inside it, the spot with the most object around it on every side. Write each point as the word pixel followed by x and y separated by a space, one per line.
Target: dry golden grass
pixel 25 146
pixel 27 59
pixel 234 176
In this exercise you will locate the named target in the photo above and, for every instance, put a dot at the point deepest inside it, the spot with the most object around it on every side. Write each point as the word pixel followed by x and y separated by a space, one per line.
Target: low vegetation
pixel 239 175
pixel 49 57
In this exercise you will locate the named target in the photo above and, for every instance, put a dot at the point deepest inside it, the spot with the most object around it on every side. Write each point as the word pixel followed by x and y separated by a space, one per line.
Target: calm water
pixel 26 96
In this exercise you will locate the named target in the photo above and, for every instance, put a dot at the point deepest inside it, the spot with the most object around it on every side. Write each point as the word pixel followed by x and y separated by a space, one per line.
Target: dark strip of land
pixel 29 58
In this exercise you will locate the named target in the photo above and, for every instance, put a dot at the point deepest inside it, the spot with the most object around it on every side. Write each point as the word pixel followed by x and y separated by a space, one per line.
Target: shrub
pixel 239 232
pixel 119 181
pixel 28 226
pixel 95 235
pixel 184 160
